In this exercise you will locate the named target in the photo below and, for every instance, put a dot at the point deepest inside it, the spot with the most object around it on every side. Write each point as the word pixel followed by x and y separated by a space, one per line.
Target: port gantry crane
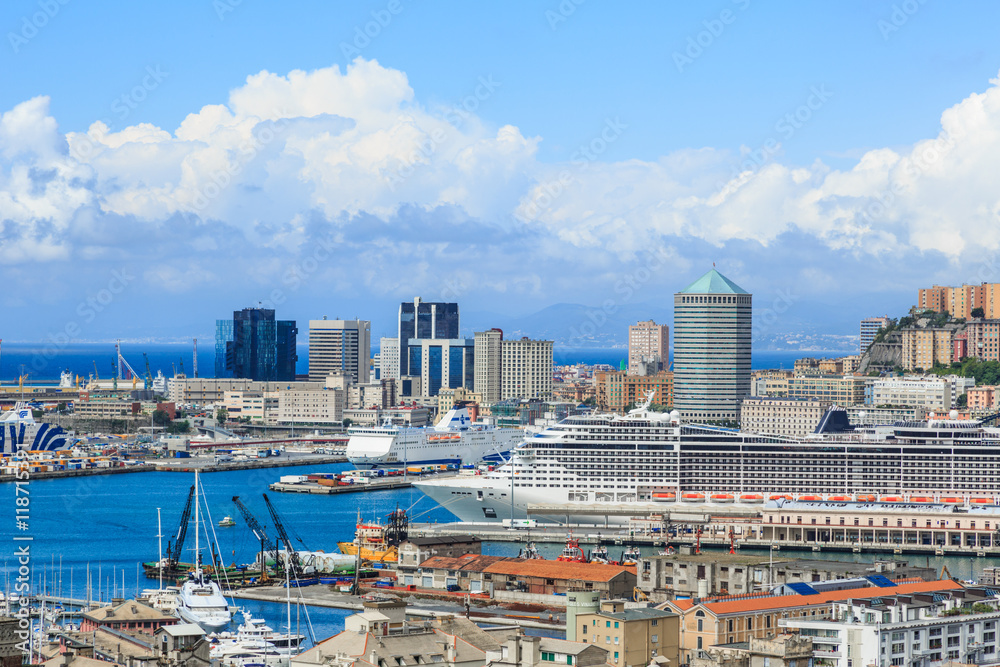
pixel 147 381
pixel 265 545
pixel 174 548
pixel 293 557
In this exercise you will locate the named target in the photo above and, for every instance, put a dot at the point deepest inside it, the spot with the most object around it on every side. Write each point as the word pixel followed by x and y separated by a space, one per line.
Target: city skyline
pixel 342 175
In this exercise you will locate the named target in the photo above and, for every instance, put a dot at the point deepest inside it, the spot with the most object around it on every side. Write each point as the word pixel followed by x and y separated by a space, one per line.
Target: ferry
pixel 20 432
pixel 652 457
pixel 456 439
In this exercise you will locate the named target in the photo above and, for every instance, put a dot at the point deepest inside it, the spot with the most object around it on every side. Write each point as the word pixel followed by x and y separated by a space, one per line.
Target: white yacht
pixel 651 457
pixel 456 439
pixel 200 599
pixel 254 643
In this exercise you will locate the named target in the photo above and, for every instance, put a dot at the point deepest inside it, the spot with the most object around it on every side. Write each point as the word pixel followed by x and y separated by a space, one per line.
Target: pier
pixel 376 484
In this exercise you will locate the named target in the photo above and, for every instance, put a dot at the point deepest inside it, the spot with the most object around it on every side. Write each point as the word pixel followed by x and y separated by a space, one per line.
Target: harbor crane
pixel 147 381
pixel 296 564
pixel 174 548
pixel 261 533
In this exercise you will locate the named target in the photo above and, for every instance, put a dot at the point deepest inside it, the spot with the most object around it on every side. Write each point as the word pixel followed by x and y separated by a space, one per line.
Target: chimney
pixel 67 658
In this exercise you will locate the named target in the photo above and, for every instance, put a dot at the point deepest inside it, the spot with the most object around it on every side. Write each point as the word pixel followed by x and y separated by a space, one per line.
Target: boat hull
pixel 389 555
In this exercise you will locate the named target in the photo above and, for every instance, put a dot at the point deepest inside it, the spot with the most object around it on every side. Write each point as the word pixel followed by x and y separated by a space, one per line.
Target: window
pixel 730 625
pixel 616 625
pixel 701 626
pixel 607 624
pixel 616 655
pixel 699 645
pixel 654 638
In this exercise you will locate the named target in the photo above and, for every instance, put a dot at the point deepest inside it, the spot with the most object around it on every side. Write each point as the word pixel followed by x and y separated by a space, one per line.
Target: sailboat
pixel 200 599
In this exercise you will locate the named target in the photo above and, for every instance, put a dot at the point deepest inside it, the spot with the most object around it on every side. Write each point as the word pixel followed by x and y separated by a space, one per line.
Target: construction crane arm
pixel 182 531
pixel 257 528
pixel 283 535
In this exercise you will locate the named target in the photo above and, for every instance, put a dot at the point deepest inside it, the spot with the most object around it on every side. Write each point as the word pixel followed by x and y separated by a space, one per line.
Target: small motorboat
pixel 226 522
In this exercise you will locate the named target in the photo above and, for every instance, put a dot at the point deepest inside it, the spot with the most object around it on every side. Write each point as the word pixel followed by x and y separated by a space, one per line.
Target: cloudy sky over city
pixel 163 165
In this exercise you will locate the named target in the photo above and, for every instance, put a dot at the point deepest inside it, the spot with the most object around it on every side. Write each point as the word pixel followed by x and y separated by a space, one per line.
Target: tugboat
pixel 572 553
pixel 600 555
pixel 377 541
pixel 631 556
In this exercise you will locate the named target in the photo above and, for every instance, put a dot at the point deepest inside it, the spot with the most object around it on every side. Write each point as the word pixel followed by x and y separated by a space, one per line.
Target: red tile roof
pixel 552 569
pixel 769 602
pixel 468 562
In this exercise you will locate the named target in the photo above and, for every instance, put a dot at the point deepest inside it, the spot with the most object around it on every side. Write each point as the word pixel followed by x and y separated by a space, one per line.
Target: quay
pixel 376 484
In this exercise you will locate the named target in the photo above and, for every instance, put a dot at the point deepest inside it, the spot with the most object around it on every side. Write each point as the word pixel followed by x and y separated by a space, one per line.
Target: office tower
pixel 489 365
pixel 340 346
pixel 255 346
pixel 425 321
pixel 712 339
pixel 870 326
pixel 648 348
pixel 441 363
pixel 526 369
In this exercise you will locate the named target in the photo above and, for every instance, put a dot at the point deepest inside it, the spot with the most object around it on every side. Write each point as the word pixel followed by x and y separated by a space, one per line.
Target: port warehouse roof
pixel 443 539
pixel 764 603
pixel 536 567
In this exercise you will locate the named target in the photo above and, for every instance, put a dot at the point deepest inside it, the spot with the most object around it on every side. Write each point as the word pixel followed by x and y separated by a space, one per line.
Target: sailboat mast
pixel 197 546
pixel 159 548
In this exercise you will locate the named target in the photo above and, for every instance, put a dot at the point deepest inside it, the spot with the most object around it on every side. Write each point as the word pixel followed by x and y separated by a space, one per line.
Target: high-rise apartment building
pixel 959 302
pixel 926 348
pixel 424 320
pixel 489 365
pixel 648 348
pixel 712 339
pixel 870 326
pixel 388 358
pixel 340 346
pixel 254 345
pixel 526 370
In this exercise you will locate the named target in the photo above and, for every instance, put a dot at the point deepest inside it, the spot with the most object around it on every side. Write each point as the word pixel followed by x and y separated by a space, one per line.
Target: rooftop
pixel 444 539
pixel 713 282
pixel 127 612
pixel 637 614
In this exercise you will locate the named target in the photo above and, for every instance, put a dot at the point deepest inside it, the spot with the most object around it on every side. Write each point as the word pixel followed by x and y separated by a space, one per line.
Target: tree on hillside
pixel 978 313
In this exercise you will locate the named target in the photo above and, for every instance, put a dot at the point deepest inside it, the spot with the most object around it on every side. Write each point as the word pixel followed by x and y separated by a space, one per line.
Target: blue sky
pixel 840 150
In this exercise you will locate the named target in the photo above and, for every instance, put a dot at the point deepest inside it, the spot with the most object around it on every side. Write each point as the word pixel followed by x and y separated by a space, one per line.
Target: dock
pixel 377 484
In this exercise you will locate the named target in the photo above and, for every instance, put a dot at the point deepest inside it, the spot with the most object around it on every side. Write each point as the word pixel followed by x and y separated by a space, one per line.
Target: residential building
pixel 260 407
pixel 416 550
pixel 706 623
pixel 712 332
pixel 10 651
pixel 526 369
pixel 842 390
pixel 959 302
pixel 325 407
pixel 948 627
pixel 206 391
pixel 489 365
pixel 633 637
pixel 128 615
pixel 931 393
pixel 424 321
pixel 784 650
pixel 378 394
pixel 794 417
pixel 388 359
pixel 400 416
pixel 983 339
pixel 340 346
pixel 870 326
pixel 985 397
pixel 441 363
pixel 89 407
pixel 648 348
pixel 617 390
pixel 255 346
pixel 925 348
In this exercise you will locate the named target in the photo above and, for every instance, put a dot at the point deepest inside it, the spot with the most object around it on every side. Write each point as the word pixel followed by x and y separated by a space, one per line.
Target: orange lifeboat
pixel 751 497
pixel 865 497
pixel 722 498
pixel 779 496
pixel 921 499
pixel 952 501
pixel 981 501
pixel 891 499
pixel 840 499
pixel 693 497
pixel 664 496
pixel 812 497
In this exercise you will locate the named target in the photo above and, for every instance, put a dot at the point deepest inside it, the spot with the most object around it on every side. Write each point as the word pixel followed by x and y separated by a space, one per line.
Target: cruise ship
pixel 651 457
pixel 455 439
pixel 20 431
